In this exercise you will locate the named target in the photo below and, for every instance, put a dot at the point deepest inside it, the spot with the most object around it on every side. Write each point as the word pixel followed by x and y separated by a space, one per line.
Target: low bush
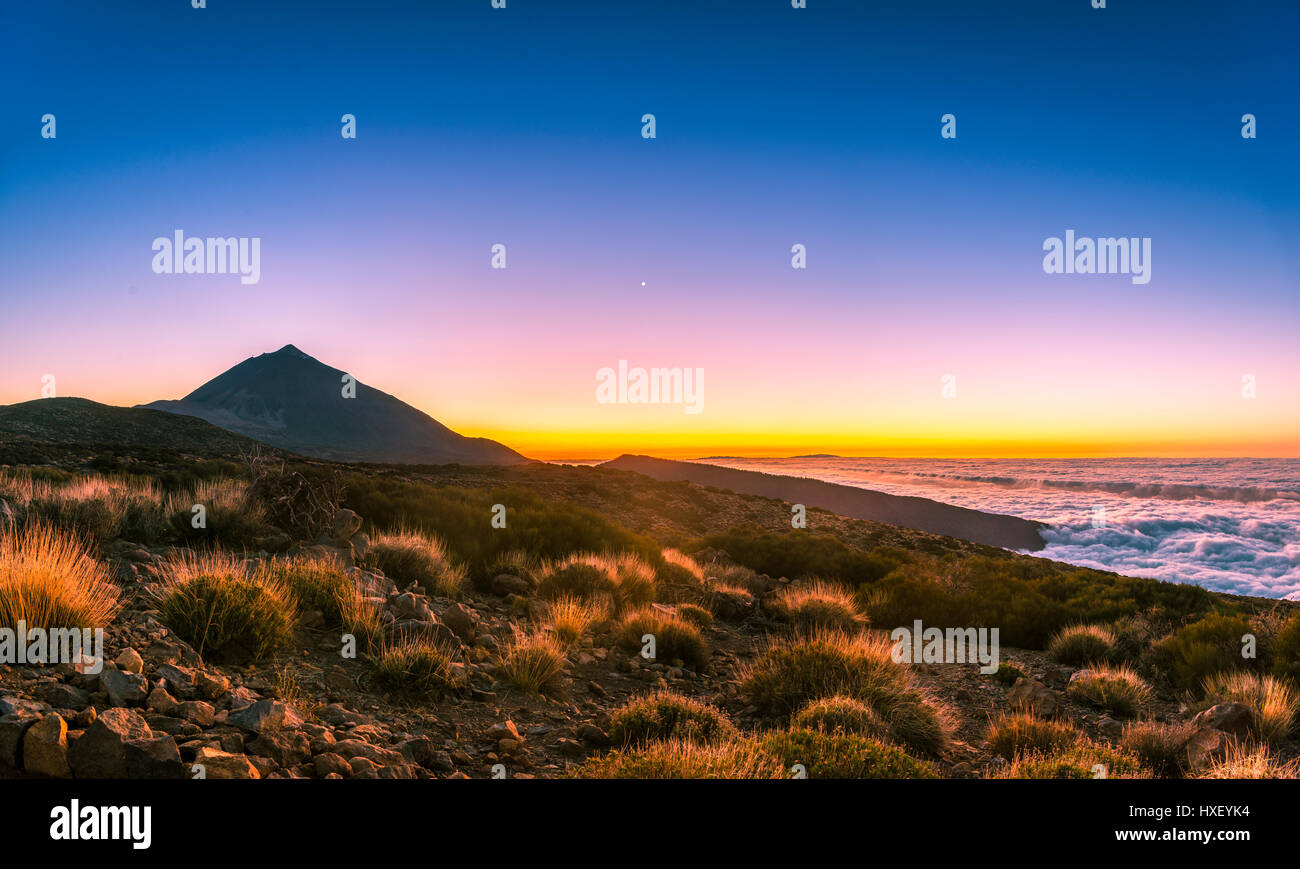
pixel 1118 689
pixel 843 756
pixel 667 715
pixel 1082 644
pixel 225 610
pixel 675 639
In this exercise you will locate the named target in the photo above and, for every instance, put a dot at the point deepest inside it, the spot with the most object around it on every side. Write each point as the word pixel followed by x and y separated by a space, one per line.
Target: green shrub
pixel 414 557
pixel 675 638
pixel 667 715
pixel 685 759
pixel 545 528
pixel 800 554
pixel 419 668
pixel 1082 644
pixel 1007 674
pixel 622 580
pixel 840 714
pixel 230 517
pixel 1273 702
pixel 1086 761
pixel 1027 599
pixel 694 614
pixel 1161 747
pixel 817 606
pixel 316 584
pixel 788 676
pixel 1019 732
pixel 843 755
pixel 1286 651
pixel 1118 689
pixel 225 611
pixel 533 661
pixel 1199 650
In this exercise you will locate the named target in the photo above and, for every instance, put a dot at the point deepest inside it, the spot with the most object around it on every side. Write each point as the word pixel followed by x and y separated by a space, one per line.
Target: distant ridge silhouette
pixel 993 529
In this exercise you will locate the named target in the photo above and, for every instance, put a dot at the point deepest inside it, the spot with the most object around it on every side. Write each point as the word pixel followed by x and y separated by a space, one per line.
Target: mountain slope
pixel 47 429
pixel 993 529
pixel 290 400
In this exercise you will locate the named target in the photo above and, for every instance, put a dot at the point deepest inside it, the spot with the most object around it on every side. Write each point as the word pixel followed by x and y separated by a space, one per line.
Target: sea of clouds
pixel 1229 525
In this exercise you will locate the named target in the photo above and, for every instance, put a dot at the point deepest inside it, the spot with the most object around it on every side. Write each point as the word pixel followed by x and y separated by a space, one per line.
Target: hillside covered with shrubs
pixel 278 618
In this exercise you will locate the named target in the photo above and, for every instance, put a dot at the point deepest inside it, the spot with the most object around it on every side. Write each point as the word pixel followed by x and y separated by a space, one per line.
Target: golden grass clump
pixel 1161 747
pixel 532 661
pixel 417 667
pixel 668 715
pixel 98 509
pixel 694 614
pixel 569 618
pixel 1273 702
pixel 1081 761
pixel 1082 644
pixel 1116 688
pixel 225 609
pixel 840 714
pixel 685 759
pixel 789 675
pixel 675 639
pixel 818 605
pixel 840 755
pixel 319 584
pixel 1245 761
pixel 48 580
pixel 624 580
pixel 231 516
pixel 411 556
pixel 680 579
pixel 1019 732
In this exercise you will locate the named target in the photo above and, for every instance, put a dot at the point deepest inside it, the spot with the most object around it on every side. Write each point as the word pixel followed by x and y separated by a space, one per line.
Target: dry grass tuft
pixel 411 556
pixel 1273 702
pixel 818 605
pixel 48 580
pixel 1119 689
pixel 532 661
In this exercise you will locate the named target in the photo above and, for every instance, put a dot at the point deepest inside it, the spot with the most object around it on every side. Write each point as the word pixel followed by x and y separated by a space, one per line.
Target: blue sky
pixel 522 125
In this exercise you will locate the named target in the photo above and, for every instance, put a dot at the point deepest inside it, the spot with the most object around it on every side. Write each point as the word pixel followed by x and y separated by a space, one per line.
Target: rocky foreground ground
pixel 157 710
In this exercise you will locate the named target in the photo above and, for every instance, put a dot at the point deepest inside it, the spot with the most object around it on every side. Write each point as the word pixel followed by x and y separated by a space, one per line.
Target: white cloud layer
pixel 1229 525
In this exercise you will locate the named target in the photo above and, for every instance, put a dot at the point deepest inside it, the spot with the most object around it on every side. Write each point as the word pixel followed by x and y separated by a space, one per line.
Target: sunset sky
pixel 775 126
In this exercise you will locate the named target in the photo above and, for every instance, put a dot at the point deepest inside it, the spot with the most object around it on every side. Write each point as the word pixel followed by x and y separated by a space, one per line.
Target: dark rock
pixel 124 689
pixel 417 749
pixel 178 680
pixel 593 736
pixel 156 758
pixel 461 621
pixel 1035 697
pixel 1235 719
pixel 12 704
pixel 504 584
pixel 101 750
pixel 264 715
pixel 346 523
pixel 416 630
pixel 218 764
pixel 209 685
pixel 196 712
pixel 45 748
pixel 12 728
pixel 324 764
pixel 285 747
pixel 1205 747
pixel 62 696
